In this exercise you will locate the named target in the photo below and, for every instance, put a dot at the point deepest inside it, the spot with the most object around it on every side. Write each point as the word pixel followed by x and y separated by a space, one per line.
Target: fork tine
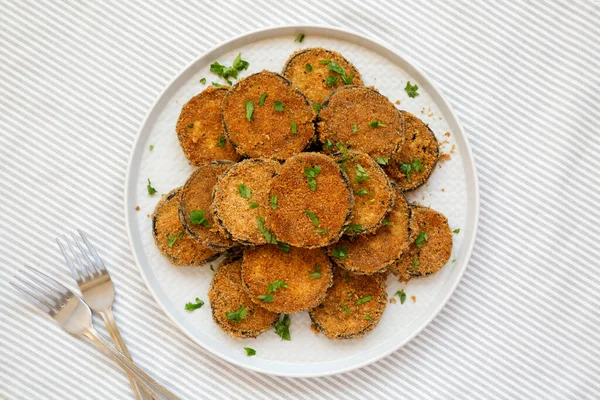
pixel 39 303
pixel 87 260
pixel 74 271
pixel 58 287
pixel 42 287
pixel 83 270
pixel 99 264
pixel 42 293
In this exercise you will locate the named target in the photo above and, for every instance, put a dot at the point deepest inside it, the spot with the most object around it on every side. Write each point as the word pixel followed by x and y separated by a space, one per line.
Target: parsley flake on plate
pixel 269 237
pixel 282 328
pixel 411 90
pixel 317 107
pixel 322 231
pixel 194 306
pixel 457 230
pixel 294 127
pixel 197 217
pixel 356 228
pixel 151 190
pixel 361 192
pixel 308 67
pixel 383 160
pixel 331 80
pixel 203 81
pixel 345 309
pixel 215 84
pixel 253 205
pixel 355 128
pixel 402 295
pixel 151 147
pixel 363 300
pixel 377 123
pixel 250 351
pixel 278 106
pixel 299 38
pixel 386 222
pixel 238 315
pixel 222 141
pixel 368 317
pixel 284 247
pixel 274 202
pixel 408 169
pixel 361 174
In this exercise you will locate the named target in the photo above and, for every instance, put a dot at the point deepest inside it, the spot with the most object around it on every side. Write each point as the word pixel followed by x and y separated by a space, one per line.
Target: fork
pixel 73 315
pixel 97 290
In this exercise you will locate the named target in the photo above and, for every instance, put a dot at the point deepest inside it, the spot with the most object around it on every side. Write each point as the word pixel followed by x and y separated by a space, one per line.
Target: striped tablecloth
pixel 76 79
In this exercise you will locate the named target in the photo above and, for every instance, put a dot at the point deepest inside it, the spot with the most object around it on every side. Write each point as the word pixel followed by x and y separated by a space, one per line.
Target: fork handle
pixel 154 387
pixel 111 326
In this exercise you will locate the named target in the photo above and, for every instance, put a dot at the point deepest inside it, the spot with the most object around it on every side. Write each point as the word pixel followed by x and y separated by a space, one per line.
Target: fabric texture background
pixel 77 78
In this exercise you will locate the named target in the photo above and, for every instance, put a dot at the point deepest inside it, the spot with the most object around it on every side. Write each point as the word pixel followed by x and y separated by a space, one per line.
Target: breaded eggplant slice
pixel 265 116
pixel 241 195
pixel 314 201
pixel 310 71
pixel 286 282
pixel 373 252
pixel 434 236
pixel 167 229
pixel 373 192
pixel 194 207
pixel 413 163
pixel 353 306
pixel 227 295
pixel 361 119
pixel 200 130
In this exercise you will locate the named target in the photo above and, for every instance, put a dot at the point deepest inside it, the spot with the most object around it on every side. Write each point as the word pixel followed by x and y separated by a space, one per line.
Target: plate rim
pixel 279 30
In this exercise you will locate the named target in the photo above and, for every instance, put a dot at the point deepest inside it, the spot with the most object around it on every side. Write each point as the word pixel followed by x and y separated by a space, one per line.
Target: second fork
pixel 97 289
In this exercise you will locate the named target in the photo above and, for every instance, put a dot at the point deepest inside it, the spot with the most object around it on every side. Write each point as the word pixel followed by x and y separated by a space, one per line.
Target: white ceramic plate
pixel 452 190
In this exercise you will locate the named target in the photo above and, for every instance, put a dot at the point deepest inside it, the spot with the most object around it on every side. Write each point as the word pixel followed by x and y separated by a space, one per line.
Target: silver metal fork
pixel 97 290
pixel 73 315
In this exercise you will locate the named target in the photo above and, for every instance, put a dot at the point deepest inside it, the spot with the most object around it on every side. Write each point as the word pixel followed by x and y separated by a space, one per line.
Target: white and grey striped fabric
pixel 76 79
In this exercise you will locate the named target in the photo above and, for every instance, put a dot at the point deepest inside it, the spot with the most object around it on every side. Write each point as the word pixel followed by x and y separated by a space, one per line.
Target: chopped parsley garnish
pixel 282 328
pixel 191 125
pixel 338 69
pixel 308 67
pixel 355 128
pixel 284 247
pixel 294 127
pixel 238 315
pixel 402 295
pixel 347 79
pixel 372 201
pixel 457 230
pixel 415 264
pixel 363 300
pixel 194 306
pixel 278 106
pixel 411 90
pixel 368 317
pixel 376 123
pixel 244 191
pixel 340 252
pixel 269 237
pixel 222 141
pixel 203 81
pixel 386 222
pixel 171 239
pixel 331 80
pixel 250 351
pixel 311 176
pixel 322 231
pixel 356 228
pixel 151 190
pixel 383 161
pixel 151 147
pixel 261 101
pixel 420 241
pixel 316 274
pixel 249 109
pixel 312 217
pixel 324 62
pixel 197 217
pixel 229 72
pixel 328 144
pixel 361 192
pixel 253 204
pixel 361 174
pixel 266 298
pixel 299 38
pixel 274 202
pixel 317 107
pixel 408 169
pixel 215 84
pixel 345 308
pixel 454 260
